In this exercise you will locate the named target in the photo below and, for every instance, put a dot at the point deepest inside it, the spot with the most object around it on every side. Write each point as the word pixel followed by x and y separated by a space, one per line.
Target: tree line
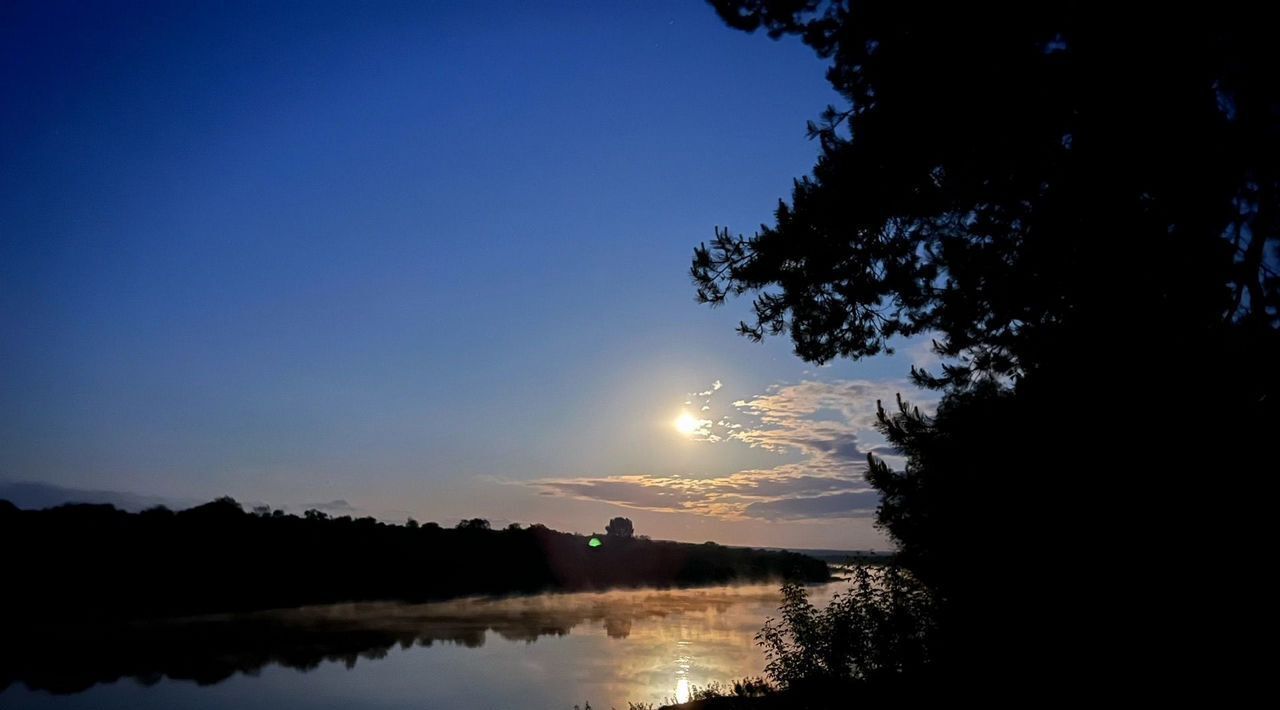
pixel 98 562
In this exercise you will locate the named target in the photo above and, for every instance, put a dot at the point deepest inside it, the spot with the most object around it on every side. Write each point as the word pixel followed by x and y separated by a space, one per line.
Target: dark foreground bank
pixel 754 694
pixel 97 562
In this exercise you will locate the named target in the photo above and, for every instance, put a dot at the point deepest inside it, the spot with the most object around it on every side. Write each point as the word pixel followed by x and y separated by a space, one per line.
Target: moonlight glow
pixel 687 424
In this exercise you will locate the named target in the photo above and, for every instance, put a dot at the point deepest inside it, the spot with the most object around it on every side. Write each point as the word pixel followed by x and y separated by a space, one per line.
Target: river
pixel 549 651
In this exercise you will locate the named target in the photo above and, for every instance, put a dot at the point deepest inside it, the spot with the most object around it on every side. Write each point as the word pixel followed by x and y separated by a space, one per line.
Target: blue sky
pixel 422 258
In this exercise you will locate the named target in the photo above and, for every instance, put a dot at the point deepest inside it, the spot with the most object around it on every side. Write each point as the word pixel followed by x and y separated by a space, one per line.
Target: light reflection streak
pixel 682 663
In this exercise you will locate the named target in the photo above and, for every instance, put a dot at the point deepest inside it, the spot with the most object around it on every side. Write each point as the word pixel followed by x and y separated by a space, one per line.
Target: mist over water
pixel 542 651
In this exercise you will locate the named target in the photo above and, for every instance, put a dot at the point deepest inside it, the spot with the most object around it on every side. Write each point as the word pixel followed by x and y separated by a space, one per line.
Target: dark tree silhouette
pixel 620 527
pixel 1081 207
pixel 875 632
pixel 218 558
pixel 1014 178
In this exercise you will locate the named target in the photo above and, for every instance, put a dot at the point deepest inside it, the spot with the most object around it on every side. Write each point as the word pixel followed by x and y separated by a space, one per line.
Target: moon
pixel 687 424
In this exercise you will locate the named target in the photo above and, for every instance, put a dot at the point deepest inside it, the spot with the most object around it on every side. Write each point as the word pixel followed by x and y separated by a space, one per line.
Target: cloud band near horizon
pixel 831 425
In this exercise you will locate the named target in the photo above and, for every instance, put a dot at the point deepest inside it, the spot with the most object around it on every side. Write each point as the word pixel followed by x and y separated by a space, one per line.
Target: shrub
pixel 878 629
pixel 751 688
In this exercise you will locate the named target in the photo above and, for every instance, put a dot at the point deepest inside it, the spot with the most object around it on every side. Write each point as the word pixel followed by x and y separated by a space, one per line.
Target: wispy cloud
pixel 831 425
pixel 339 506
pixel 924 356
pixel 715 387
pixel 738 495
pixel 698 426
pixel 847 504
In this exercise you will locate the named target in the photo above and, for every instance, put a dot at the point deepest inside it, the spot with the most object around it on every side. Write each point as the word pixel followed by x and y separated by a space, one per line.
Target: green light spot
pixel 594 542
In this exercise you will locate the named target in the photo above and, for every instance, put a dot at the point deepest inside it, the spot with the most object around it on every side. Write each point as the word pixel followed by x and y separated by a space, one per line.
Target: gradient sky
pixel 416 258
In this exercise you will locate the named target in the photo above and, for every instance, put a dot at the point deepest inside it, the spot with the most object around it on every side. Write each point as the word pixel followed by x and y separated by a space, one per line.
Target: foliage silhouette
pixel 1082 208
pixel 620 527
pixel 878 630
pixel 218 558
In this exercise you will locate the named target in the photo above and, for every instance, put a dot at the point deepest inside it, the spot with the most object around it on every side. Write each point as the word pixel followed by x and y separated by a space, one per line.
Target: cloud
pixel 923 356
pixel 333 506
pixel 34 496
pixel 831 425
pixel 735 496
pixel 698 427
pixel 837 505
pixel 715 387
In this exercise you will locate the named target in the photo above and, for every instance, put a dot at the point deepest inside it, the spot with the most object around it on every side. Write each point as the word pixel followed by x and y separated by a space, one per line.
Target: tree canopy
pixel 1015 178
pixel 1080 206
pixel 620 527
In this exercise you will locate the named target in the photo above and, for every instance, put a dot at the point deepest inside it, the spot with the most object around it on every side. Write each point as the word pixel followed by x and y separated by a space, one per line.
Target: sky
pixel 415 259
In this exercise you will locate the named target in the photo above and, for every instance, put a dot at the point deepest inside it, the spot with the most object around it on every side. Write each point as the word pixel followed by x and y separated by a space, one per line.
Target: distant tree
pixel 226 503
pixel 289 565
pixel 620 527
pixel 411 524
pixel 474 524
pixel 262 511
pixel 431 525
pixel 158 511
pixel 513 527
pixel 313 514
pixel 224 508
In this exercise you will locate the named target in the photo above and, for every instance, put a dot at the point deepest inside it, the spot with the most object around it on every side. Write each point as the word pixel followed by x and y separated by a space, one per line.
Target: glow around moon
pixel 689 425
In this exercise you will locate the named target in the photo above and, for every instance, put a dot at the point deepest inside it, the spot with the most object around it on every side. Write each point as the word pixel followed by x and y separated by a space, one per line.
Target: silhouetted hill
pixel 97 562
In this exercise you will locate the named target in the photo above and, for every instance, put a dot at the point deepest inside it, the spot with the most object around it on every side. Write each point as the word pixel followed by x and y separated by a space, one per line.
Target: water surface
pixel 544 651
